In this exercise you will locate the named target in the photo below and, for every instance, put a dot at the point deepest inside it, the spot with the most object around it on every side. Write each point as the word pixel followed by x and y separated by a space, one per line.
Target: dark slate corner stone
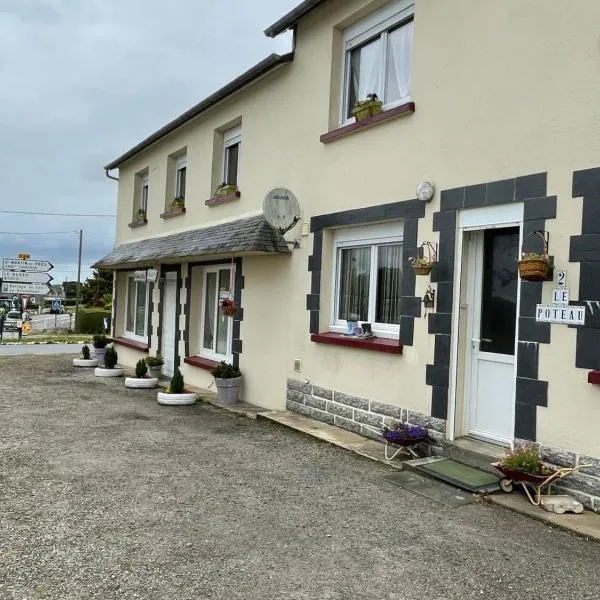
pixel 442 350
pixel 315 282
pixel 591 215
pixel 442 271
pixel 411 228
pixel 444 296
pixel 587 353
pixel 349 400
pixel 540 208
pixel 444 220
pixel 312 302
pixel 532 331
pixel 236 346
pixel 322 392
pixel 475 196
pixel 447 246
pixel 318 242
pixel 531 186
pixel 409 280
pixel 440 323
pixel 528 360
pixel 407 331
pixel 500 192
pixel 531 295
pixel 452 199
pixel 589 281
pixel 235 329
pixel 410 306
pixel 586 182
pixel 525 422
pixel 529 227
pixel 299 386
pixel 386 409
pixel 439 402
pixel 314 262
pixel 532 391
pixel 585 248
pixel 437 375
pixel 428 422
pixel 314 321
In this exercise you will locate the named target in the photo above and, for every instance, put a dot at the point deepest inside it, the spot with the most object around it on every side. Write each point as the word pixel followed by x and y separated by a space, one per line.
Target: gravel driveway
pixel 105 494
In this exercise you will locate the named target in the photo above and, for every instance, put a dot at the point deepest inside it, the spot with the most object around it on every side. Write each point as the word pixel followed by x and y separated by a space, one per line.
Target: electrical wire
pixel 53 214
pixel 37 232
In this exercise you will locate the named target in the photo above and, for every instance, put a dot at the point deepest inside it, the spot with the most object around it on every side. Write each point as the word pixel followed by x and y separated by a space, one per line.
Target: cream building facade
pixel 494 103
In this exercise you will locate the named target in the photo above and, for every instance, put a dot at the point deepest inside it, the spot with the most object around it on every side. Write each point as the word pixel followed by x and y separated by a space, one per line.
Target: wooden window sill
pixel 173 212
pixel 594 377
pixel 386 115
pixel 121 341
pixel 201 363
pixel 136 224
pixel 375 344
pixel 216 200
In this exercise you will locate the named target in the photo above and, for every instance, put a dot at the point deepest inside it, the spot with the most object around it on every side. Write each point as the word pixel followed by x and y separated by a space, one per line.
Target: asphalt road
pixel 104 494
pixel 37 349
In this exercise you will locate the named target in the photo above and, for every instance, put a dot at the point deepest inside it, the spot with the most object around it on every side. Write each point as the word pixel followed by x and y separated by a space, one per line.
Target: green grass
pixel 74 338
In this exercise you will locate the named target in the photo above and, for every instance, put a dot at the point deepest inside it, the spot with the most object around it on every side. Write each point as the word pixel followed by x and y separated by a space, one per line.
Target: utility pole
pixel 78 275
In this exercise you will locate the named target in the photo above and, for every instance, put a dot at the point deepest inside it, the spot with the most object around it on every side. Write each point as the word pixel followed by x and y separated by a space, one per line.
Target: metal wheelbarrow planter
pixel 534 485
pixel 401 440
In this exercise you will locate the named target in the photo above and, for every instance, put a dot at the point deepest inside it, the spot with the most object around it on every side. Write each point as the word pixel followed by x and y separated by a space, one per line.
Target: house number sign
pixel 560 311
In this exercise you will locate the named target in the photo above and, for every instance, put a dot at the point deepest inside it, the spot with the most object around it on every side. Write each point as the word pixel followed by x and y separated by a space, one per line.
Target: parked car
pixel 12 321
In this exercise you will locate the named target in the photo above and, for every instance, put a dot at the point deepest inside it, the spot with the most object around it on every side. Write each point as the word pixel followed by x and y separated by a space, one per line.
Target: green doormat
pixel 458 474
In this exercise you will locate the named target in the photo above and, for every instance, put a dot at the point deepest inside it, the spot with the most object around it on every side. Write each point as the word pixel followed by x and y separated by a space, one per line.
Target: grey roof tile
pixel 252 234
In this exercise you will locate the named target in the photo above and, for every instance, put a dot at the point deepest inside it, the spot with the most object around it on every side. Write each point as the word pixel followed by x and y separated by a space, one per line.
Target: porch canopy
pixel 252 235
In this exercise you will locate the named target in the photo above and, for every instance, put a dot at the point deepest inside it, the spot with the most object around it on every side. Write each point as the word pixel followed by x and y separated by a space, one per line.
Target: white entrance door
pixel 492 304
pixel 169 313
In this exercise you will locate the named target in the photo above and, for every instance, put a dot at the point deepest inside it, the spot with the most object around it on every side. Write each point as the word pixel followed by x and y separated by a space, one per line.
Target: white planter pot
pixel 102 372
pixel 155 372
pixel 143 384
pixel 176 399
pixel 228 390
pixel 81 362
pixel 100 353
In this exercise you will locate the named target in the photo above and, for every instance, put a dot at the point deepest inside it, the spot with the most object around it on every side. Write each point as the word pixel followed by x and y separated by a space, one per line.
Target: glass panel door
pixel 210 300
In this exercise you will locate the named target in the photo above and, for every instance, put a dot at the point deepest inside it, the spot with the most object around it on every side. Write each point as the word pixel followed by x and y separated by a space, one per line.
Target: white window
pixel 215 325
pixel 136 311
pixel 378 57
pixel 232 142
pixel 367 265
pixel 180 177
pixel 143 193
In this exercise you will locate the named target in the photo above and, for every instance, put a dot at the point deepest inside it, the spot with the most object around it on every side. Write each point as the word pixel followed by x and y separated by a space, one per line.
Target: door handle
pixel 487 340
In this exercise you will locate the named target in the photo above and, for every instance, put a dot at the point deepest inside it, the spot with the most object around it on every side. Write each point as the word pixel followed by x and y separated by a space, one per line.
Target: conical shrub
pixel 176 386
pixel 141 369
pixel 110 358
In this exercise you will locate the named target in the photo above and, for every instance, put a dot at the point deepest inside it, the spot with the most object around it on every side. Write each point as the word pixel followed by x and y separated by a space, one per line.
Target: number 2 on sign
pixel 561 279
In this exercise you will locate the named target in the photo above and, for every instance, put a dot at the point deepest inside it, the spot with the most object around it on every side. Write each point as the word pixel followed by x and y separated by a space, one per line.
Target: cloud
pixel 84 81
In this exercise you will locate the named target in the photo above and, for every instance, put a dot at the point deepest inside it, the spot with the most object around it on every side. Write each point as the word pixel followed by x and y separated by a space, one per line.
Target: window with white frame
pixel 378 57
pixel 367 265
pixel 180 177
pixel 143 193
pixel 215 325
pixel 136 312
pixel 232 143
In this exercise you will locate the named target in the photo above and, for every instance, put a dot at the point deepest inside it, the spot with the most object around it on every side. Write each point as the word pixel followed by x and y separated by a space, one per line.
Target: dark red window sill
pixel 120 341
pixel 594 377
pixel 136 224
pixel 173 212
pixel 201 363
pixel 216 200
pixel 386 115
pixel 375 344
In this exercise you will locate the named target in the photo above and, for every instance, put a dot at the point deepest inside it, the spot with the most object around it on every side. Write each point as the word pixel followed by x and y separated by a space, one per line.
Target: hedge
pixel 91 320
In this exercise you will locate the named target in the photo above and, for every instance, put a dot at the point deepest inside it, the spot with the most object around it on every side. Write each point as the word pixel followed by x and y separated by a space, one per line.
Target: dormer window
pixel 378 57
pixel 232 142
pixel 180 177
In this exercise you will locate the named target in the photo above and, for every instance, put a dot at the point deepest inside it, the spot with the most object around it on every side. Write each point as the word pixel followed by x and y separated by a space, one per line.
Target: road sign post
pixel 26 277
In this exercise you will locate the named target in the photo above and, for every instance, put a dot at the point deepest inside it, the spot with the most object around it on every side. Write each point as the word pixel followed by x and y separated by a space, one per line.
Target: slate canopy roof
pixel 252 235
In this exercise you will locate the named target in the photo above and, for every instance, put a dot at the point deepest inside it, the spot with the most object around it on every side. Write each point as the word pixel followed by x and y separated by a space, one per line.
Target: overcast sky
pixel 81 81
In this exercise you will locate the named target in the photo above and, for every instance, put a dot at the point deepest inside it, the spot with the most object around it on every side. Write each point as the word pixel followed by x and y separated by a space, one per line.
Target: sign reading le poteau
pixel 560 311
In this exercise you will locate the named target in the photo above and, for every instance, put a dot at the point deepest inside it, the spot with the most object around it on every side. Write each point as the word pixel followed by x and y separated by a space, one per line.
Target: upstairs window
pixel 378 57
pixel 232 142
pixel 143 197
pixel 180 177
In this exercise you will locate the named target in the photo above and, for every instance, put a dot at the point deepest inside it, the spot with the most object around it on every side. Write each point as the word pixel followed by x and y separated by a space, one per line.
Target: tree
pixel 97 289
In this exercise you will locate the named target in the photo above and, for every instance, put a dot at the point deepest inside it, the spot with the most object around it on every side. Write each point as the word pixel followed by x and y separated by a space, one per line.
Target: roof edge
pixel 288 21
pixel 250 76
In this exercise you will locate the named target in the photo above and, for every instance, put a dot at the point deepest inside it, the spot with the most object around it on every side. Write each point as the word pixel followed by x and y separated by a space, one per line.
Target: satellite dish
pixel 281 209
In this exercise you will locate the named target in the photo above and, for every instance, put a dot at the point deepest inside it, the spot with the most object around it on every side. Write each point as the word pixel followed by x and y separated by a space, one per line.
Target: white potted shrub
pixel 100 341
pixel 86 360
pixel 175 394
pixel 155 364
pixel 141 379
pixel 228 380
pixel 110 368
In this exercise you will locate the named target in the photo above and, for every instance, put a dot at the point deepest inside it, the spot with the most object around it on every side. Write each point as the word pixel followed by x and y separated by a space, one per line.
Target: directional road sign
pixel 38 289
pixel 14 264
pixel 27 277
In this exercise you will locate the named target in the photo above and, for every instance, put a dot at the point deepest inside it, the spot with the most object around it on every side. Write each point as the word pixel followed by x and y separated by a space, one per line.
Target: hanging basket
pixel 422 269
pixel 534 266
pixel 228 307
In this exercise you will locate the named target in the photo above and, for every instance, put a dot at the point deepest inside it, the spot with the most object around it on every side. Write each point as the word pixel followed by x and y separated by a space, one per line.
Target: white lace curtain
pixel 389 279
pixel 399 61
pixel 355 274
